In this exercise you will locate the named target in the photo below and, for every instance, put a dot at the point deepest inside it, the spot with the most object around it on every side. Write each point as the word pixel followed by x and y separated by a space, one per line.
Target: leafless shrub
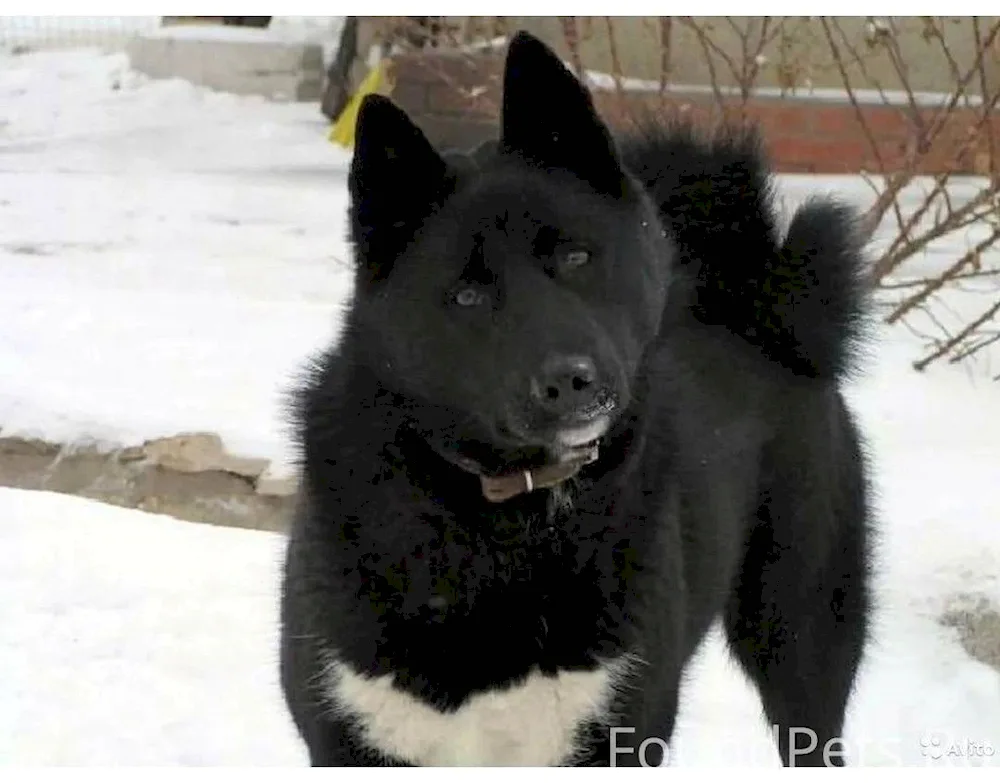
pixel 949 136
pixel 958 135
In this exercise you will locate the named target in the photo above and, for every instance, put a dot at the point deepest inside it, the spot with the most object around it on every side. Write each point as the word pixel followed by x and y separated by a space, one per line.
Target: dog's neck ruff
pixel 498 489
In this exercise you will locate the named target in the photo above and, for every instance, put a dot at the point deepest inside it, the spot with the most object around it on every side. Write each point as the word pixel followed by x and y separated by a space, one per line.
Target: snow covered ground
pixel 168 256
pixel 134 639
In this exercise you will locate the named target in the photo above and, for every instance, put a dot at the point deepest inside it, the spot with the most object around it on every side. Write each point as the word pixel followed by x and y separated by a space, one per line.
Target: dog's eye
pixel 575 258
pixel 468 297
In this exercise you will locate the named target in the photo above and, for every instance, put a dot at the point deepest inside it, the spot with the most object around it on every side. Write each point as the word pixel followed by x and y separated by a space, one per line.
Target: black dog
pixel 585 402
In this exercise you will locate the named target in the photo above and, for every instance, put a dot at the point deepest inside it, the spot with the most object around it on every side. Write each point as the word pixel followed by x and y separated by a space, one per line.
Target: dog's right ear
pixel 548 117
pixel 396 179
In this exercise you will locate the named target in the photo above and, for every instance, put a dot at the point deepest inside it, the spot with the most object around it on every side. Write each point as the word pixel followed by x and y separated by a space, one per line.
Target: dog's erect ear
pixel 550 120
pixel 389 151
pixel 396 179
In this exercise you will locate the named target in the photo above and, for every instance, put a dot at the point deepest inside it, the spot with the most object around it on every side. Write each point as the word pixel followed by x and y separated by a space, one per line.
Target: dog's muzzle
pixel 498 489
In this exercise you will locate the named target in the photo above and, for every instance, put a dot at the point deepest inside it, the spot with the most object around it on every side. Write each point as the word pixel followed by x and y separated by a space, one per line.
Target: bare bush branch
pixel 707 45
pixel 666 50
pixel 571 35
pixel 616 63
pixel 949 275
pixel 970 329
pixel 914 182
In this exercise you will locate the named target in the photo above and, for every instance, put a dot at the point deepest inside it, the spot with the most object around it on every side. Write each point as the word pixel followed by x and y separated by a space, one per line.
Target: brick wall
pixel 455 100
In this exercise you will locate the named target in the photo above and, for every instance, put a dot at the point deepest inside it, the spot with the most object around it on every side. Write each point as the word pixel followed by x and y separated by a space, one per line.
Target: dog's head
pixel 509 301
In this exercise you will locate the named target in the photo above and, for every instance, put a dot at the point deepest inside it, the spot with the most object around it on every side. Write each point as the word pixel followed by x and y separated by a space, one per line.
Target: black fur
pixel 731 483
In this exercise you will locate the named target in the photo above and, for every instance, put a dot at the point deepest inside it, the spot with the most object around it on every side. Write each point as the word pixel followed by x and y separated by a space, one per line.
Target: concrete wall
pixel 244 61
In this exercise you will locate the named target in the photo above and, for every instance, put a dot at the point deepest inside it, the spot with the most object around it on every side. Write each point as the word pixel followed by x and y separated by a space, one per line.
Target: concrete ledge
pixel 189 476
pixel 243 61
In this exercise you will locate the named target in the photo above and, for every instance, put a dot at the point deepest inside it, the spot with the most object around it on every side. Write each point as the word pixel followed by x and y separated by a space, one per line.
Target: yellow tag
pixel 377 81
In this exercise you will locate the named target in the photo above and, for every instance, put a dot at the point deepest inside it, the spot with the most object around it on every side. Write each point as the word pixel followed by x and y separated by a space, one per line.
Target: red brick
pixel 892 154
pixel 699 113
pixel 450 68
pixel 825 156
pixel 801 135
pixel 785 167
pixel 414 68
pixel 835 121
pixel 777 118
pixel 456 132
pixel 410 96
pixel 883 120
pixel 482 101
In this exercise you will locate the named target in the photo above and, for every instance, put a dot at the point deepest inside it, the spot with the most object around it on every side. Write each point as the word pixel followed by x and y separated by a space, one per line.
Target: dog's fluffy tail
pixel 803 300
pixel 820 289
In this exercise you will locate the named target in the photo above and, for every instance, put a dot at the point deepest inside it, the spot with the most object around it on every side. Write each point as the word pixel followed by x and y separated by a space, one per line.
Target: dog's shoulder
pixel 800 295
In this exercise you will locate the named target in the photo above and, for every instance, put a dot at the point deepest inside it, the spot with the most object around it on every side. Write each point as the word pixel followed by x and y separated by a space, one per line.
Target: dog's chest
pixel 532 723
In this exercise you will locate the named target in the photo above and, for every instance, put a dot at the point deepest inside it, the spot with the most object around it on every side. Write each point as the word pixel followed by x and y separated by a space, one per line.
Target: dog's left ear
pixel 395 180
pixel 549 118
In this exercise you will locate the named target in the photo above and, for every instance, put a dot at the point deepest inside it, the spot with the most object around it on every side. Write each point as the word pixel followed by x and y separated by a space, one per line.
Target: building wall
pixel 800 54
pixel 455 98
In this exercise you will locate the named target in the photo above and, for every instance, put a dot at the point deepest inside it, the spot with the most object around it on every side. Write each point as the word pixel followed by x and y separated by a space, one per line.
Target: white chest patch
pixel 531 723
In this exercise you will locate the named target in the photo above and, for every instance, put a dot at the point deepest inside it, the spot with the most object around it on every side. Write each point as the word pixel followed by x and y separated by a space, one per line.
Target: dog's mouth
pixel 560 436
pixel 549 458
pixel 583 435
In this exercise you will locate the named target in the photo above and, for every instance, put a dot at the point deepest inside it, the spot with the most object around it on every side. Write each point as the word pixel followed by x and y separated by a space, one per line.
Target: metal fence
pixel 29 33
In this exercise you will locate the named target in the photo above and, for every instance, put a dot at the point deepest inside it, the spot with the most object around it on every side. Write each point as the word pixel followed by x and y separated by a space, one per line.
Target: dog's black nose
pixel 565 384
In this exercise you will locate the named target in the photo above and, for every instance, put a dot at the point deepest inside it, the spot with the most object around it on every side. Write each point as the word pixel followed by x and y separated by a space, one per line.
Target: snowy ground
pixel 136 639
pixel 167 257
pixel 168 254
pixel 142 640
pixel 111 32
